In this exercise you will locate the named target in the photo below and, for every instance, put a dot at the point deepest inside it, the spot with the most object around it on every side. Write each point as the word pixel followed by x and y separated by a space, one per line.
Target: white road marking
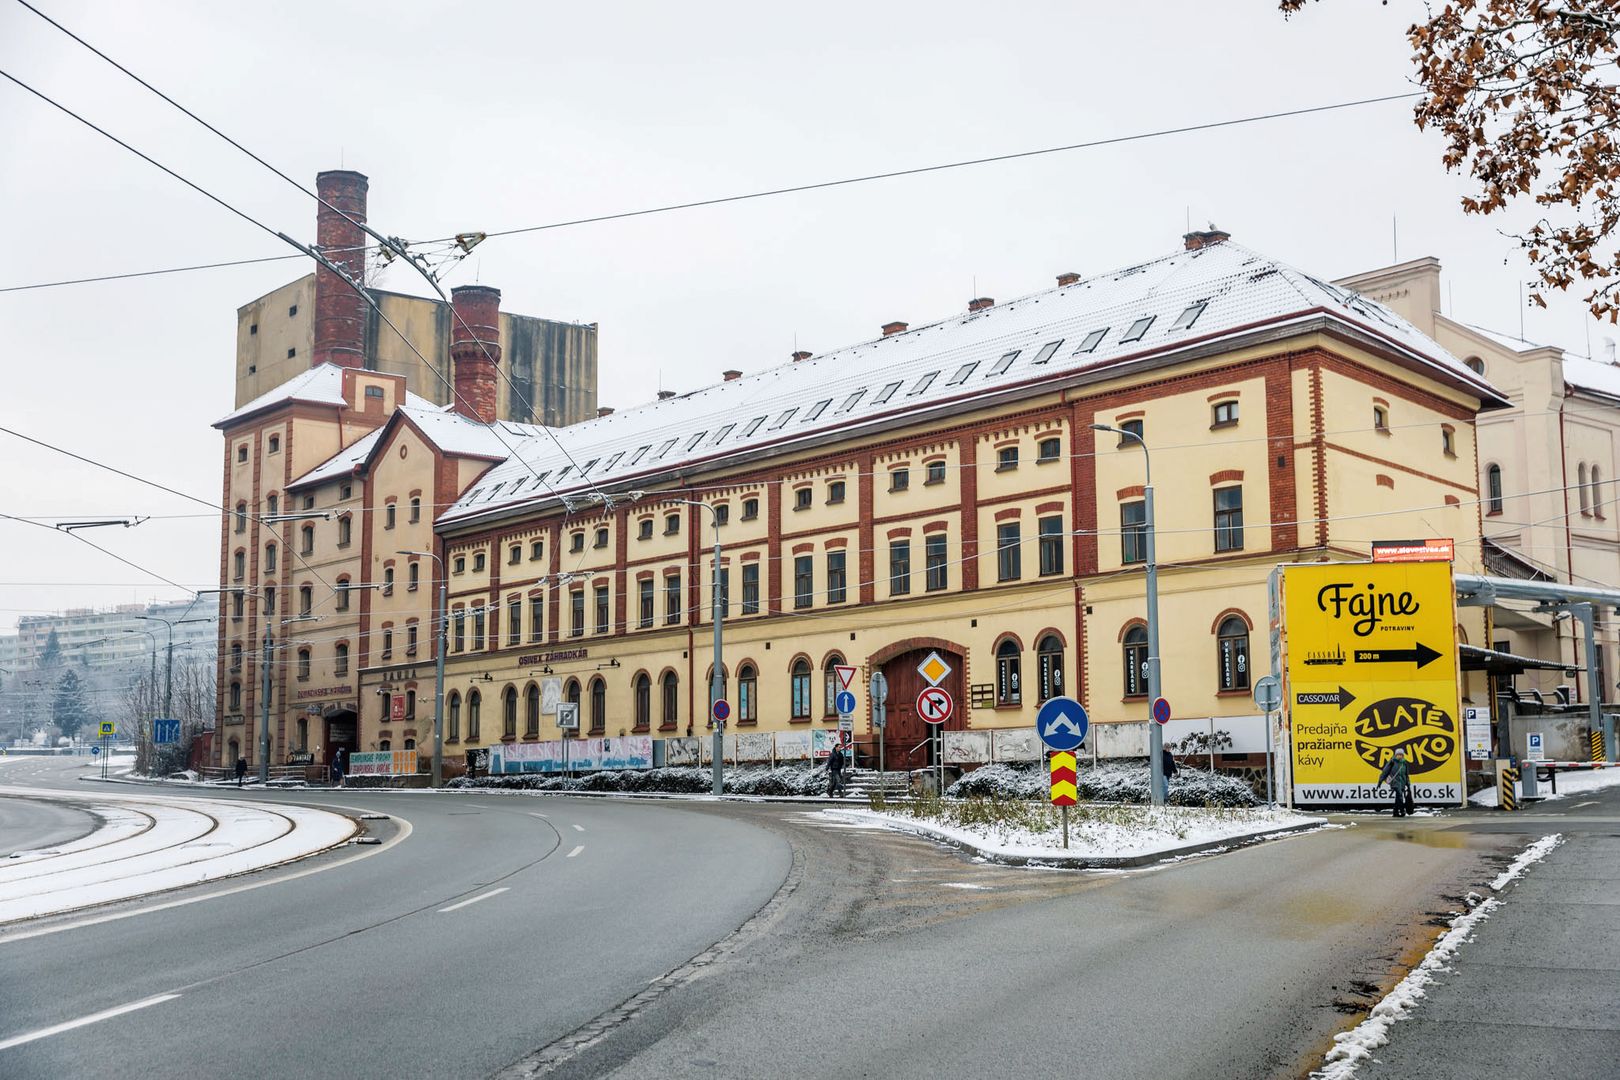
pixel 579 828
pixel 576 851
pixel 93 1018
pixel 534 814
pixel 1589 802
pixel 474 900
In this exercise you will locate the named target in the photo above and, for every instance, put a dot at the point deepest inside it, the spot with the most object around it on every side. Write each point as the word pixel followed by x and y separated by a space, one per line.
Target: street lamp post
pixel 438 665
pixel 1155 731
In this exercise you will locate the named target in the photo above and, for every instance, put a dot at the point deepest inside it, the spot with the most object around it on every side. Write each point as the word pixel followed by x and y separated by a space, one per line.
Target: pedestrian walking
pixel 835 772
pixel 337 767
pixel 1170 767
pixel 241 769
pixel 1398 776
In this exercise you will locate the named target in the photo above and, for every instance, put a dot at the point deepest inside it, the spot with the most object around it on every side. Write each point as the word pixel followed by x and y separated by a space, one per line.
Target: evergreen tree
pixel 51 655
pixel 70 711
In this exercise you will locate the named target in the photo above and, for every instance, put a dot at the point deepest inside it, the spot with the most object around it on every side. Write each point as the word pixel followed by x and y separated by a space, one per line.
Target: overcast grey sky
pixel 496 115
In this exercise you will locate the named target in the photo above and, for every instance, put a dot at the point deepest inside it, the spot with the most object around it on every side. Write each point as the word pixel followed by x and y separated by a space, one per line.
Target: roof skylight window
pixel 562 472
pixel 1138 329
pixel 662 450
pixel 641 453
pixel 589 465
pixel 612 461
pixel 496 490
pixel 541 478
pixel 923 384
pixel 962 373
pixel 720 436
pixel 1046 352
pixel 886 393
pixel 694 440
pixel 1185 320
pixel 817 409
pixel 850 402
pixel 753 426
pixel 1092 340
pixel 1003 364
pixel 781 421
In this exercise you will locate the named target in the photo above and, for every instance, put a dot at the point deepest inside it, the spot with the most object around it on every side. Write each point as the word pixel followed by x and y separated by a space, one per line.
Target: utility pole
pixel 1155 731
pixel 443 643
pixel 264 709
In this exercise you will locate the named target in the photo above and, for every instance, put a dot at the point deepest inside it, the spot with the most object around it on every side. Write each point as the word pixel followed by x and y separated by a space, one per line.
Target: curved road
pixel 500 925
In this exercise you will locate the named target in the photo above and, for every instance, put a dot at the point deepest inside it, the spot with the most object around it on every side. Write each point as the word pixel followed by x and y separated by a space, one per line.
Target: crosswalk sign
pixel 108 727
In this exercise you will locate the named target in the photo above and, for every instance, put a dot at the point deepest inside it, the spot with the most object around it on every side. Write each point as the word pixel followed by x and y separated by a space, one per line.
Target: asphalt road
pixel 876 954
pixel 31 824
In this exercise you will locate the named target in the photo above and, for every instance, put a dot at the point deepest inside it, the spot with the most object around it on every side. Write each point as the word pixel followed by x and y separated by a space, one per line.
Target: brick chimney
pixel 665 395
pixel 340 313
pixel 980 303
pixel 1196 240
pixel 731 375
pixel 479 307
pixel 1068 278
pixel 603 410
pixel 801 355
pixel 890 328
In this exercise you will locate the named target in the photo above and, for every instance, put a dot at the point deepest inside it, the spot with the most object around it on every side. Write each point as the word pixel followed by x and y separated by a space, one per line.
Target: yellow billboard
pixel 1371 665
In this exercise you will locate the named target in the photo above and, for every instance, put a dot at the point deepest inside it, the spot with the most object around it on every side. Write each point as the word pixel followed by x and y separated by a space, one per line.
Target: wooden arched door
pixel 907 742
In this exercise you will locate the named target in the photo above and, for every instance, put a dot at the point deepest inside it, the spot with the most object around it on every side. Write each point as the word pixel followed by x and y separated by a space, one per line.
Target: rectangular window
pixel 1133 532
pixel 416 509
pixel 644 603
pixel 672 599
pixel 1131 427
pixel 603 620
pixel 835 491
pixel 750 509
pixel 1090 342
pixel 614 460
pixel 458 624
pixel 804 575
pixel 1138 329
pixel 725 592
pixel 722 515
pixel 962 373
pixel 691 444
pixel 922 384
pixel 1050 450
pixel 1229 519
pixel 750 587
pixel 851 401
pixel 899 567
pixel 883 395
pixel 576 613
pixel 782 421
pixel 537 617
pixel 939 572
pixel 1001 365
pixel 753 426
pixel 1007 459
pixel 640 453
pixel 1052 537
pixel 1047 351
pixel 1185 320
pixel 478 628
pixel 410 640
pixel 836 584
pixel 817 409
pixel 802 498
pixel 1009 542
pixel 514 621
pixel 1224 414
pixel 899 479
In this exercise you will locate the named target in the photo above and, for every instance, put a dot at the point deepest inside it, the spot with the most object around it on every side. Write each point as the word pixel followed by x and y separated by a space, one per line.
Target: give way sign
pixel 846 676
pixel 934 705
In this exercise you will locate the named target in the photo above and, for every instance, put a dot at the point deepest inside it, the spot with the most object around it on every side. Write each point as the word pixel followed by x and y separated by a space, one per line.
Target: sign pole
pixel 1065 828
pixel 1271 799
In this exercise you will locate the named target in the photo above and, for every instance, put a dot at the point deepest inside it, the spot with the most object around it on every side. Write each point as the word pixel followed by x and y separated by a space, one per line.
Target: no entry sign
pixel 934 705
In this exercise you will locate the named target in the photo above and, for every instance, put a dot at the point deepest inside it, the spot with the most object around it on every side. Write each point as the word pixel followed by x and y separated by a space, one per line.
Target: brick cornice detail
pixel 1226 476
pixel 1009 513
pixel 1135 491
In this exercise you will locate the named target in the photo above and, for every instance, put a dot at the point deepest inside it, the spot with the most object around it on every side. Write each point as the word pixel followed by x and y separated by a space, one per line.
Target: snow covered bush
pixel 1109 782
pixel 748 780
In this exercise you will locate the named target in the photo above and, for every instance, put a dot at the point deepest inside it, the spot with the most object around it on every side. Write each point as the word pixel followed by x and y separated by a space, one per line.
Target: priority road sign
pixel 721 710
pixel 165 732
pixel 108 727
pixel 934 668
pixel 1064 791
pixel 934 705
pixel 1062 724
pixel 846 676
pixel 1161 710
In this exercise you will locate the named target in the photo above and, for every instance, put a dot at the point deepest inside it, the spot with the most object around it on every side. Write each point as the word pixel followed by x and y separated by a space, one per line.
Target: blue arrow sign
pixel 1062 723
pixel 94 750
pixel 165 732
pixel 844 702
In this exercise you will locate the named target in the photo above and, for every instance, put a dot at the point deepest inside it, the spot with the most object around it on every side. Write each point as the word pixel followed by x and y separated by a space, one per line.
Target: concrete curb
pixel 1060 861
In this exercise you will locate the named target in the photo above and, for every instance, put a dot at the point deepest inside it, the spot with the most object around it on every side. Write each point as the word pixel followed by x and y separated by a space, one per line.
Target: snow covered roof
pixel 450 431
pixel 1128 317
pixel 1594 376
pixel 341 463
pixel 320 385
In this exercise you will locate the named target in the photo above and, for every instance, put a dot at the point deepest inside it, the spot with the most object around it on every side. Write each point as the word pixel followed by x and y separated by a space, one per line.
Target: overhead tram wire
pixel 391 244
pixel 846 181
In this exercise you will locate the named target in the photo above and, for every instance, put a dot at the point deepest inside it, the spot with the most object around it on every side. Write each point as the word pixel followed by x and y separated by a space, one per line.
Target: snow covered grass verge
pixel 1025 831
pixel 1111 782
pixel 1581 782
pixel 1351 1048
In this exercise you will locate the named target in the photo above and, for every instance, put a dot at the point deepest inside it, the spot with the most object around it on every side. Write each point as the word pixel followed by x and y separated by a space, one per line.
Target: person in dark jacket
pixel 337 767
pixel 835 772
pixel 1170 767
pixel 241 769
pixel 1396 774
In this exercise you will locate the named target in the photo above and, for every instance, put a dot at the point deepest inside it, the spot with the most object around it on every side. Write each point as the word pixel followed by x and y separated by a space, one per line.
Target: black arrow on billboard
pixel 1420 655
pixel 1343 698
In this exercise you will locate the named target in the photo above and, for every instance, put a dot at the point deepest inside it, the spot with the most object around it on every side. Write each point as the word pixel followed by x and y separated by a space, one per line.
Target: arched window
pixel 1493 489
pixel 475 708
pixel 830 677
pixel 452 708
pixel 1581 471
pixel 410 744
pixel 1049 659
pixel 269 558
pixel 384 744
pixel 1136 661
pixel 598 704
pixel 531 711
pixel 1476 365
pixel 671 693
pixel 708 683
pixel 747 693
pixel 236 697
pixel 1008 690
pixel 801 689
pixel 643 688
pixel 509 713
pixel 571 691
pixel 303 733
pixel 1232 652
pixel 1597 492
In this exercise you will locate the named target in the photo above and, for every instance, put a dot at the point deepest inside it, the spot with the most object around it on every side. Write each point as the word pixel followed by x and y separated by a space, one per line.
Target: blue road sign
pixel 844 702
pixel 1062 723
pixel 1161 710
pixel 165 732
pixel 94 750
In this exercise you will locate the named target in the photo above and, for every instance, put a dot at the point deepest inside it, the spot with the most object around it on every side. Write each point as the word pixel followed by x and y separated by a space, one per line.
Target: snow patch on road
pixel 1351 1048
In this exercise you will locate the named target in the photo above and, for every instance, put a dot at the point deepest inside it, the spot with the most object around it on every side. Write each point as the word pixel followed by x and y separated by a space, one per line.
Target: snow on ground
pixel 1035 830
pixel 1351 1048
pixel 150 844
pixel 1579 782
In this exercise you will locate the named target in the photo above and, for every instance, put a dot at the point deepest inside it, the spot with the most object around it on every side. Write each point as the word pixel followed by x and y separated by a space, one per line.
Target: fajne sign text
pixel 1369 609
